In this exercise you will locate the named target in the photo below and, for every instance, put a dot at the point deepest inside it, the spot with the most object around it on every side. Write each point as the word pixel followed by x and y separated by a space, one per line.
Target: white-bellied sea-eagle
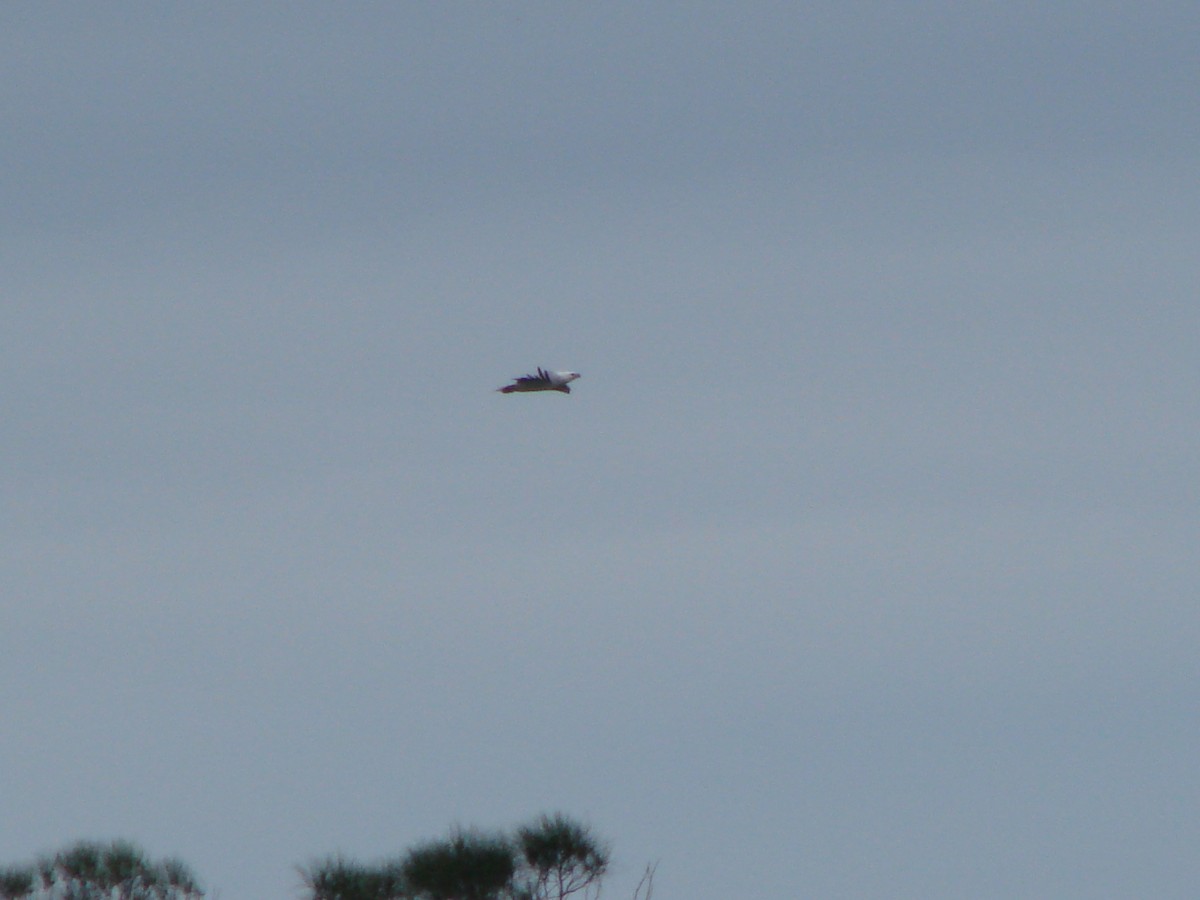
pixel 544 380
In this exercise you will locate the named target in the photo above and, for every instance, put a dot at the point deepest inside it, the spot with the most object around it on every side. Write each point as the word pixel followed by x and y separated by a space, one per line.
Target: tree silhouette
pixel 548 859
pixel 467 866
pixel 94 871
pixel 561 857
pixel 339 879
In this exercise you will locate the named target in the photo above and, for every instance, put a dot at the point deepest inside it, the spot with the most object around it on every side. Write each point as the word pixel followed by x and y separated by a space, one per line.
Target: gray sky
pixel 861 562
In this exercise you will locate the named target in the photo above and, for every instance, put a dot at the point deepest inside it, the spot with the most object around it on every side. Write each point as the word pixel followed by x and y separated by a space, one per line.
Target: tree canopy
pixel 551 858
pixel 95 871
pixel 548 859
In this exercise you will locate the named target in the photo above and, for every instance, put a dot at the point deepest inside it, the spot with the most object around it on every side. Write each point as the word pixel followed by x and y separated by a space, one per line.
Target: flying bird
pixel 544 380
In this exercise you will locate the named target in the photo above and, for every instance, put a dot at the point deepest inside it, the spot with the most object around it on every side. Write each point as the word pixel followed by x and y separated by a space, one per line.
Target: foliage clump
pixel 90 870
pixel 549 859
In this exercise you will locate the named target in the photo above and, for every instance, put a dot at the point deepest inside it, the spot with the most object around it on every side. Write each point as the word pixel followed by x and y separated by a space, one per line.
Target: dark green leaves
pixel 546 860
pixel 89 869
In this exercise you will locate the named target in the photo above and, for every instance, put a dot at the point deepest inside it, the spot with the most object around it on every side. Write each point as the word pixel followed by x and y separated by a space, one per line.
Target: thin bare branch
pixel 645 887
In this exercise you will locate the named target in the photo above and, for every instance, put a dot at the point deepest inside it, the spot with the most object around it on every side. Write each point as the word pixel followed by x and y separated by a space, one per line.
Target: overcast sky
pixel 861 561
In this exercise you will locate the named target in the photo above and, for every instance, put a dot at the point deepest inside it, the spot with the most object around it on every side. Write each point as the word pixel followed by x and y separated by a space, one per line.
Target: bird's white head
pixel 564 377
